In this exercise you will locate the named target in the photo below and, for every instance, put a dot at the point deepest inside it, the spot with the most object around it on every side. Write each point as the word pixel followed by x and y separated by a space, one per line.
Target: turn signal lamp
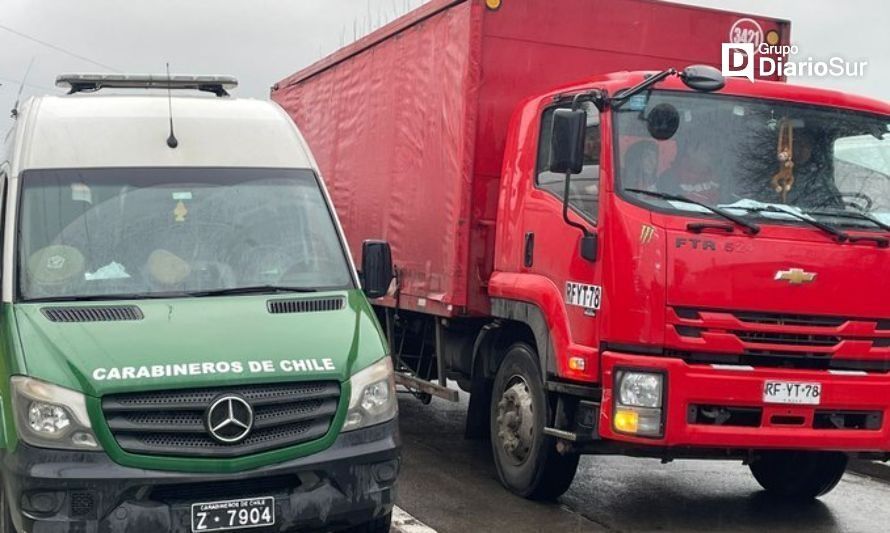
pixel 493 4
pixel 577 363
pixel 627 421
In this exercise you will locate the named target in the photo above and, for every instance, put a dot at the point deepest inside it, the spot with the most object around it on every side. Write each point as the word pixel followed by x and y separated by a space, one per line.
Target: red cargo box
pixel 409 123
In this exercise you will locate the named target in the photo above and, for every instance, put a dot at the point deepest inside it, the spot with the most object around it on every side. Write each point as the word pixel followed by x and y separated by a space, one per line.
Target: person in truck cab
pixel 641 165
pixel 814 185
pixel 693 173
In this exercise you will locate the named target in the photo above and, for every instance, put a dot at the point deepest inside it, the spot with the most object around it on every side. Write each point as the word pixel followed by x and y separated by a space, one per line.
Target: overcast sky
pixel 261 41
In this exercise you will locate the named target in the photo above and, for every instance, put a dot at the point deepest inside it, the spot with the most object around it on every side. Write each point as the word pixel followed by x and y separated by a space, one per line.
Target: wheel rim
pixel 515 420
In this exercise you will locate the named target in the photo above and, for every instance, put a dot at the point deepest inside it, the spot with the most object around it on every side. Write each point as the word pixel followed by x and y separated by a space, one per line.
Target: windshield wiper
pixel 109 297
pixel 850 214
pixel 839 236
pixel 259 289
pixel 750 228
pixel 256 289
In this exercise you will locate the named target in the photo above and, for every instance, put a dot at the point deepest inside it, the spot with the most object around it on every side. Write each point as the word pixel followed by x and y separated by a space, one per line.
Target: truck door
pixel 553 248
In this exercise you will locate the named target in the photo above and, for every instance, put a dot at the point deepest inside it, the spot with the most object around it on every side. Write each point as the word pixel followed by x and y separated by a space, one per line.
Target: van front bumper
pixel 350 483
pixel 744 422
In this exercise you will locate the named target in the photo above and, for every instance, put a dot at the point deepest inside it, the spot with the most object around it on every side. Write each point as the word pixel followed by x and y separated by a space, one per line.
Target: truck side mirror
pixel 377 270
pixel 567 141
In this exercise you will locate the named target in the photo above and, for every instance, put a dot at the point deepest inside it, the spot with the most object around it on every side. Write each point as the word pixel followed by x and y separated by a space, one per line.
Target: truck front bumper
pixel 347 484
pixel 722 408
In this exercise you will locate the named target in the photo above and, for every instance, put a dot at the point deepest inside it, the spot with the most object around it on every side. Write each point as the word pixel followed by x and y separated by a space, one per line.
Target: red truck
pixel 611 252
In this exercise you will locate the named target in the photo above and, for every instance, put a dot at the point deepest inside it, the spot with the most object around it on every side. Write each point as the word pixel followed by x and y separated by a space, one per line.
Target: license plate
pixel 233 514
pixel 792 393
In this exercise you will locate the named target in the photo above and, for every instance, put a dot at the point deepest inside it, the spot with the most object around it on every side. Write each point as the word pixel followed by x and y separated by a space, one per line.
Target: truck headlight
pixel 638 403
pixel 373 397
pixel 640 389
pixel 49 416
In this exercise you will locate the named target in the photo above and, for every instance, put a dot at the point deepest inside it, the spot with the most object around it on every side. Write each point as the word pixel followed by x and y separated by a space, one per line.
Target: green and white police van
pixel 184 344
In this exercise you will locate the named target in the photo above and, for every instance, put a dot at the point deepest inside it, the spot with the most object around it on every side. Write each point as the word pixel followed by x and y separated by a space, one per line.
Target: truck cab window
pixel 584 187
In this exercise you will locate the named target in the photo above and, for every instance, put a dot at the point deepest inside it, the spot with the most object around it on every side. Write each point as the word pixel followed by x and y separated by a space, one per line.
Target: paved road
pixel 450 484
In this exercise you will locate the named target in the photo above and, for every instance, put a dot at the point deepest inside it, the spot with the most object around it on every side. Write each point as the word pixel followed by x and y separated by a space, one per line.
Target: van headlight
pixel 373 397
pixel 49 416
pixel 639 398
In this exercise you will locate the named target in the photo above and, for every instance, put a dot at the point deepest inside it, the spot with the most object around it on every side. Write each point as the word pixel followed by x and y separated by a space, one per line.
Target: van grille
pixel 113 313
pixel 305 305
pixel 172 423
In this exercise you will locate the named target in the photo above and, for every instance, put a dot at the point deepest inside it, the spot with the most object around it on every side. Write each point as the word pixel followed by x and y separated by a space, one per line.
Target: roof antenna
pixel 171 140
pixel 15 107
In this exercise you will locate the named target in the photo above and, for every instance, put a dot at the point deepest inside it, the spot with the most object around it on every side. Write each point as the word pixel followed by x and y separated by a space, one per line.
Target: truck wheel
pixel 799 475
pixel 378 525
pixel 527 461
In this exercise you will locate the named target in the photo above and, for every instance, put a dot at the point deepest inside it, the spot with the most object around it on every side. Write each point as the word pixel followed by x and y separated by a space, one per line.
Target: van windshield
pixel 173 231
pixel 751 156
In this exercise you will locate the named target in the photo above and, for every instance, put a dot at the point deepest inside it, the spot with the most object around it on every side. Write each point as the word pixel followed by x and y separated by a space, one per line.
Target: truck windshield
pixel 744 154
pixel 172 231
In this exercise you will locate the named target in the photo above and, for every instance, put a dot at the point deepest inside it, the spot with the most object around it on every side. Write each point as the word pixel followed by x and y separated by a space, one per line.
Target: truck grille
pixel 172 423
pixel 778 339
pixel 765 337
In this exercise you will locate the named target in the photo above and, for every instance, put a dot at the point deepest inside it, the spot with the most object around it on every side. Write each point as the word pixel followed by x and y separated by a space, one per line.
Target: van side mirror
pixel 377 272
pixel 567 141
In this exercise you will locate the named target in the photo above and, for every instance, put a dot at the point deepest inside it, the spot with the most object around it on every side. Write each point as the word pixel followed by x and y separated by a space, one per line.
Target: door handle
pixel 529 249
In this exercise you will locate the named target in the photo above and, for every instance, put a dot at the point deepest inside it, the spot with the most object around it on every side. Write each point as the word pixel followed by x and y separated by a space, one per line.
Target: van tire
pixel 526 459
pixel 378 525
pixel 799 475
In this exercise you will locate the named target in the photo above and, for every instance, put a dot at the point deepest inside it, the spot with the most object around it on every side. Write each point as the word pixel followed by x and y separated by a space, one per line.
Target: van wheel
pixel 799 475
pixel 527 461
pixel 378 525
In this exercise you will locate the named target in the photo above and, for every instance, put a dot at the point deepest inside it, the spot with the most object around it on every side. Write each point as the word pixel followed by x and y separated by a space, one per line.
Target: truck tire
pixel 799 475
pixel 377 525
pixel 526 459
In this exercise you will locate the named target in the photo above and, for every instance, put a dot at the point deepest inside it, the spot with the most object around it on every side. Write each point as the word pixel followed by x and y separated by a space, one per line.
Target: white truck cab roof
pixel 127 130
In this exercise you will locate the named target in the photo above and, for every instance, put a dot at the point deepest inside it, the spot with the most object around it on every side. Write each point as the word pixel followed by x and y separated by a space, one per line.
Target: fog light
pixel 42 503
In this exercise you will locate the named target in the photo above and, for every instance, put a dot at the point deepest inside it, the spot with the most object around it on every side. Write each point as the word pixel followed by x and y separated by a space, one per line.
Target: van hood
pixel 770 295
pixel 199 342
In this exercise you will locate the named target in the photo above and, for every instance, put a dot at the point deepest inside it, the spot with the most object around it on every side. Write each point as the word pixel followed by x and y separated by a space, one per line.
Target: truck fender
pixel 530 315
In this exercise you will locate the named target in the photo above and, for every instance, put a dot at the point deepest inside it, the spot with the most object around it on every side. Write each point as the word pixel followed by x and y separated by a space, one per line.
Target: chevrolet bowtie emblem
pixel 795 276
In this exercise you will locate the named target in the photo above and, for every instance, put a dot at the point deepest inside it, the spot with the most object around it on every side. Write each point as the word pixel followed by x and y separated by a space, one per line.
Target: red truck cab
pixel 638 262
pixel 770 334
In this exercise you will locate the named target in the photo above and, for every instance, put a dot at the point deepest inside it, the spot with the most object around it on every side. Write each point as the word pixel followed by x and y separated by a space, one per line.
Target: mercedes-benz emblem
pixel 229 419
